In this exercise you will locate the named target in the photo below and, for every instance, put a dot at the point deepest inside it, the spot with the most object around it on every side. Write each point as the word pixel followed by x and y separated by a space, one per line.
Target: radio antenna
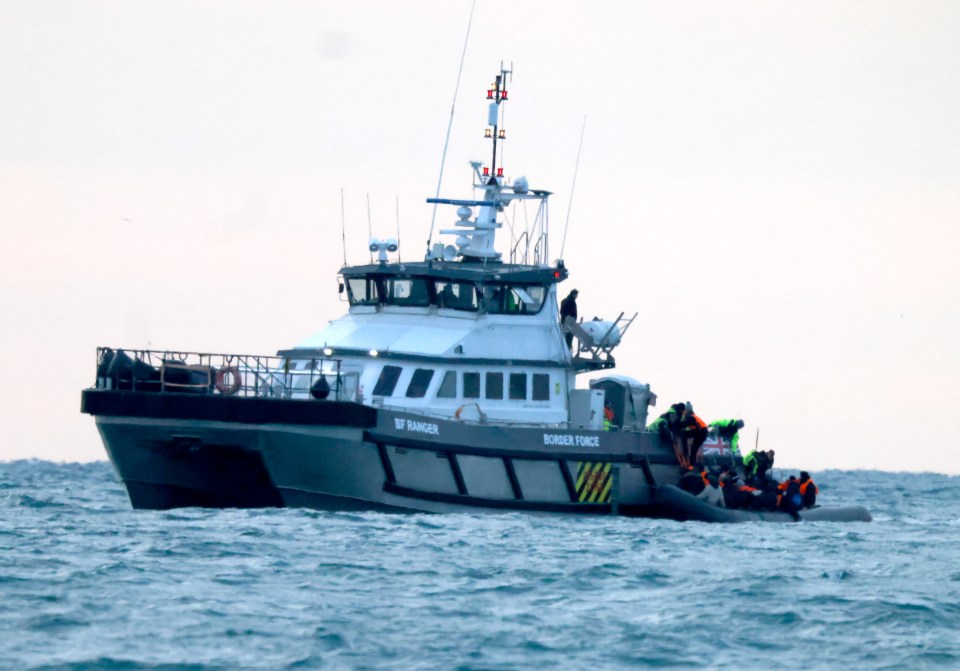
pixel 576 168
pixel 343 228
pixel 369 226
pixel 446 143
pixel 398 228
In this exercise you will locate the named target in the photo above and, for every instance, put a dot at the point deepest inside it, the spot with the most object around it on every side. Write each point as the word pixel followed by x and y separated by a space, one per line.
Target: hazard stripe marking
pixel 593 482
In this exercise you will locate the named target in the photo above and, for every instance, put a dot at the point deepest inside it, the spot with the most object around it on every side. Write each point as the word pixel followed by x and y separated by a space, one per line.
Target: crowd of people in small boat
pixel 730 481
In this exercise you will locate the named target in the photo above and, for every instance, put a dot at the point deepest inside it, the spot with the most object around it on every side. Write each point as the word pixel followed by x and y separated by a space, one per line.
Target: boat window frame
pixel 420 390
pixel 370 281
pixel 540 379
pixel 493 375
pixel 496 294
pixel 438 294
pixel 383 378
pixel 443 390
pixel 389 283
pixel 521 389
pixel 473 374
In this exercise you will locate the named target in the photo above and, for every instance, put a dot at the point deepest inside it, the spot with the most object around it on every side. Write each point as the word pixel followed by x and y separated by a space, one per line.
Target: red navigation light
pixel 556 273
pixel 486 172
pixel 503 94
pixel 489 94
pixel 499 172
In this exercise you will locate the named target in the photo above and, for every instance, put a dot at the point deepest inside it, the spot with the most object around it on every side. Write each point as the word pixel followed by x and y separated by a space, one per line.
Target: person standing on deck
pixel 568 308
pixel 729 429
pixel 693 432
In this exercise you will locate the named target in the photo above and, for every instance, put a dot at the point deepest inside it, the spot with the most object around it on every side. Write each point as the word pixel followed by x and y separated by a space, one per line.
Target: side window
pixel 448 386
pixel 419 383
pixel 541 387
pixel 362 291
pixel 471 385
pixel 518 386
pixel 495 386
pixel 457 296
pixel 387 381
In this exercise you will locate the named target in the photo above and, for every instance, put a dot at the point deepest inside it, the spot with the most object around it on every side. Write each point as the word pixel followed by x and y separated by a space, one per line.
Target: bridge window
pixel 541 387
pixel 514 299
pixel 457 295
pixel 387 381
pixel 406 291
pixel 448 386
pixel 419 383
pixel 471 385
pixel 362 291
pixel 518 386
pixel 495 386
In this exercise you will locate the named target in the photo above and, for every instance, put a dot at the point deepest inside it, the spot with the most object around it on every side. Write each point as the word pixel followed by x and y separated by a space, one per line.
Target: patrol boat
pixel 448 386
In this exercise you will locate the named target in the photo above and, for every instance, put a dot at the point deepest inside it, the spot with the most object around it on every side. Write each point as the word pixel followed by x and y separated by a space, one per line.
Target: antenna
pixel 369 226
pixel 343 228
pixel 398 227
pixel 446 143
pixel 576 167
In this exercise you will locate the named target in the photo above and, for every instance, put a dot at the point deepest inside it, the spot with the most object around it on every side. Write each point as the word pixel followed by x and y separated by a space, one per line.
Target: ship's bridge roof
pixel 463 271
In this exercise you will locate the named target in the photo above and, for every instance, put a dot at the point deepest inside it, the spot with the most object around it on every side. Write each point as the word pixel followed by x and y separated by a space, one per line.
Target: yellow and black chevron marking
pixel 593 482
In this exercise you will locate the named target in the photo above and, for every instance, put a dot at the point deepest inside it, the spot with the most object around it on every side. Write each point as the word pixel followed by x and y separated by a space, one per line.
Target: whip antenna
pixel 369 226
pixel 343 228
pixel 576 167
pixel 398 228
pixel 443 158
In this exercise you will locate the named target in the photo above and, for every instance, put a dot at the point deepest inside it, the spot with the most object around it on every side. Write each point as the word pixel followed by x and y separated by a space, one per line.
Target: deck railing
pixel 166 371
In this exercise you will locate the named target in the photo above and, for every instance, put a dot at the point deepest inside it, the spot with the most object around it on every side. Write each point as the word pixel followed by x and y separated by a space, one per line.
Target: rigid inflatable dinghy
pixel 674 503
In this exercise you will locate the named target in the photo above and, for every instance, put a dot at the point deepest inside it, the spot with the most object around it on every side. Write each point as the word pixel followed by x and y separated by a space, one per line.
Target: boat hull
pixel 674 503
pixel 221 452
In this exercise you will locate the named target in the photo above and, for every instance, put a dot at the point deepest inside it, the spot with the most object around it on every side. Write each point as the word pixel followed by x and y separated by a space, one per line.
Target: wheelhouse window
pixel 518 386
pixel 387 381
pixel 406 292
pixel 525 299
pixel 448 386
pixel 419 383
pixel 457 295
pixel 471 385
pixel 362 291
pixel 495 386
pixel 541 387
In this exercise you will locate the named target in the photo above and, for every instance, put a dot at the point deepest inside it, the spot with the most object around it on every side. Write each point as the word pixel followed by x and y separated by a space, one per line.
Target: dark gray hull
pixel 675 503
pixel 172 452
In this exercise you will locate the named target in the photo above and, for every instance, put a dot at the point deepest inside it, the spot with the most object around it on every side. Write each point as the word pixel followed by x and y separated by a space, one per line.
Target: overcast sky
pixel 774 186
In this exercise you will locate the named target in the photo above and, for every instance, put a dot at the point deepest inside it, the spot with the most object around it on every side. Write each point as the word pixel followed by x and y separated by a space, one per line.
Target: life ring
pixel 234 386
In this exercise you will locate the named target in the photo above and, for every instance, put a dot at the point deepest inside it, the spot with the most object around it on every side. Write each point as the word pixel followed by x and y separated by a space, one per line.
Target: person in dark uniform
pixel 568 308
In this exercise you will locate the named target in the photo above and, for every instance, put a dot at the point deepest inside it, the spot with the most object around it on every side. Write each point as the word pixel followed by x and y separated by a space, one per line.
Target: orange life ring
pixel 234 386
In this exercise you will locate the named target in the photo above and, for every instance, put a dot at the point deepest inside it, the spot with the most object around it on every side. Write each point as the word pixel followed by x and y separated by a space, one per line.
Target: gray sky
pixel 774 186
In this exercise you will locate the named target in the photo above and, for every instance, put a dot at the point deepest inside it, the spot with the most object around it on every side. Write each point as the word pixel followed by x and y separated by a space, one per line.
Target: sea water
pixel 88 583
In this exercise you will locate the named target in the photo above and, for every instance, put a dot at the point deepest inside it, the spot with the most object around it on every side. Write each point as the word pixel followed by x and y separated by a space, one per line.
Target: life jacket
pixel 706 480
pixel 805 485
pixel 699 422
pixel 748 488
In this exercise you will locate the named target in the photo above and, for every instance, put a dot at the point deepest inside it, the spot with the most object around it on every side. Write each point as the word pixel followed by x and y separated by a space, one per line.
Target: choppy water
pixel 88 583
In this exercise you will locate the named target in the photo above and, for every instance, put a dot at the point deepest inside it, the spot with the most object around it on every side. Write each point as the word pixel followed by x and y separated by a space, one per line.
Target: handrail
pixel 245 375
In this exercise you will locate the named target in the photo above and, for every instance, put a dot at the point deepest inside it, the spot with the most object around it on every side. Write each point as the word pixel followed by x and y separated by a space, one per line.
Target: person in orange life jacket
pixel 608 416
pixel 808 490
pixel 790 498
pixel 693 432
pixel 568 308
pixel 711 493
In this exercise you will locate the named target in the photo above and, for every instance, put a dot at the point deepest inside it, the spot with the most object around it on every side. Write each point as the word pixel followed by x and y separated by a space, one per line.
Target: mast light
pixel 486 171
pixel 489 94
pixel 499 172
pixel 502 134
pixel 488 133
